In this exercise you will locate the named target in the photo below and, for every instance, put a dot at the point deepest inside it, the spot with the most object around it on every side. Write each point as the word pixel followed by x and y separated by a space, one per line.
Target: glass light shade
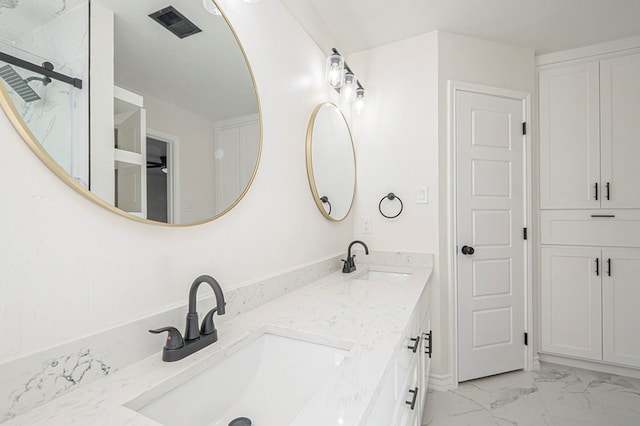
pixel 211 7
pixel 334 70
pixel 359 102
pixel 349 86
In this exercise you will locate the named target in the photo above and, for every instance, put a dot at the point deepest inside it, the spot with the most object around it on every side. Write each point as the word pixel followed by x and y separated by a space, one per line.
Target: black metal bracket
pixel 346 66
pixel 46 69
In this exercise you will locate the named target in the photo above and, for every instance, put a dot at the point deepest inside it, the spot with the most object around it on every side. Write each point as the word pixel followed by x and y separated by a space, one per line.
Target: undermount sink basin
pixel 267 381
pixel 383 276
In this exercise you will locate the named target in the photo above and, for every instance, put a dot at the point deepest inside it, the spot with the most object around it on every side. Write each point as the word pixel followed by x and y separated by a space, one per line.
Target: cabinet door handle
pixel 416 343
pixel 596 185
pixel 597 266
pixel 429 338
pixel 412 403
pixel 609 267
pixel 608 191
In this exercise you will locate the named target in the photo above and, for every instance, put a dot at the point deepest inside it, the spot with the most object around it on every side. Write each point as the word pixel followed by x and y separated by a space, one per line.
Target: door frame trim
pixel 453 87
pixel 174 201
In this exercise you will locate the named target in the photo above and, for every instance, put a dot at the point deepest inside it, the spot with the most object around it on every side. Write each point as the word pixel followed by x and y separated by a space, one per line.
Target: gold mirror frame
pixel 310 172
pixel 32 142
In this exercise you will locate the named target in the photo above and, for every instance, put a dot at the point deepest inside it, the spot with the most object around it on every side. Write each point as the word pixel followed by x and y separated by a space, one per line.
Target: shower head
pixel 18 84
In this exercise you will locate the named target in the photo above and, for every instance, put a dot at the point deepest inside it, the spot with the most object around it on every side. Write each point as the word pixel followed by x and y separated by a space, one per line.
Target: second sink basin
pixel 267 381
pixel 383 276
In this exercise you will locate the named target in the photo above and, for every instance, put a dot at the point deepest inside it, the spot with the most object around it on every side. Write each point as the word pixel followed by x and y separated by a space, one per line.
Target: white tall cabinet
pixel 589 134
pixel 589 203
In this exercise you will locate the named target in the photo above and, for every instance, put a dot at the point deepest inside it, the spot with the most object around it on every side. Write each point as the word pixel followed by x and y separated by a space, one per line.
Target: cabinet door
pixel 620 313
pixel 569 137
pixel 620 139
pixel 406 414
pixel 571 301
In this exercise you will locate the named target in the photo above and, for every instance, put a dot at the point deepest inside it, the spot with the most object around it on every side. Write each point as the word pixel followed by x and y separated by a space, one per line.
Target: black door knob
pixel 468 250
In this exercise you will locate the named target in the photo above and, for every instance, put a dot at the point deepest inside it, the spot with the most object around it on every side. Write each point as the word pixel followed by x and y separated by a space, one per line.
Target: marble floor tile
pixel 554 396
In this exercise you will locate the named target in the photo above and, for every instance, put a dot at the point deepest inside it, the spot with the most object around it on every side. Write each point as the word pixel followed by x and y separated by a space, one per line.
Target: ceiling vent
pixel 175 22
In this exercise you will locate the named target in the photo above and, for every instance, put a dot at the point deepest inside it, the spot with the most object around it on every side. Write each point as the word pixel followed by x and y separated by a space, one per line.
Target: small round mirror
pixel 331 163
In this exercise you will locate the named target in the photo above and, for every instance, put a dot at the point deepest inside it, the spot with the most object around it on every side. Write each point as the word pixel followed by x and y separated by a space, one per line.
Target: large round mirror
pixel 331 163
pixel 166 129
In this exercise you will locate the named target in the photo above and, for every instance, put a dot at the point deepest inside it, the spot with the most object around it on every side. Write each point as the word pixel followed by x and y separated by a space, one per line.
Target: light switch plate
pixel 422 194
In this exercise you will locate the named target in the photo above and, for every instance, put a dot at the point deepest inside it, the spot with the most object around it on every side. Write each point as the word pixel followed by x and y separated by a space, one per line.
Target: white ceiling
pixel 205 73
pixel 542 25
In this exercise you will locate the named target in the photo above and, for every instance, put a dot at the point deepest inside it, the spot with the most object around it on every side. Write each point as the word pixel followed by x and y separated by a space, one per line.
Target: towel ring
pixel 325 200
pixel 390 196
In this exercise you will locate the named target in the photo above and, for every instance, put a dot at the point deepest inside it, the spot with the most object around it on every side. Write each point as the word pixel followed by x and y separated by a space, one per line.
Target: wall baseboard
pixel 591 365
pixel 441 382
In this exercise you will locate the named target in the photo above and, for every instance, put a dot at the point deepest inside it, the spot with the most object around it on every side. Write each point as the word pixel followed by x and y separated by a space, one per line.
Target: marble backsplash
pixel 37 378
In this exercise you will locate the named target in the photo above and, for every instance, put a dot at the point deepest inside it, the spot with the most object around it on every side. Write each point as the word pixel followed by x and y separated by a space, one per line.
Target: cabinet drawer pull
pixel 412 403
pixel 596 186
pixel 597 266
pixel 428 347
pixel 416 343
pixel 603 215
pixel 609 267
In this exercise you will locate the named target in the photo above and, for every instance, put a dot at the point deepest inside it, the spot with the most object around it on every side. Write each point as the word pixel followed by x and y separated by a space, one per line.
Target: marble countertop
pixel 336 310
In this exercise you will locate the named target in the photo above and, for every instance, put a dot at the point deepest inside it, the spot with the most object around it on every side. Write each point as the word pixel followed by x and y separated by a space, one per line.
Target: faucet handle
pixel 174 338
pixel 207 326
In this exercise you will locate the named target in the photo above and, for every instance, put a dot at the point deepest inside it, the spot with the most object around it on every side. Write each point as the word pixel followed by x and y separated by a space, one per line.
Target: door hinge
pixel 526 339
pixel 524 233
pixel 524 128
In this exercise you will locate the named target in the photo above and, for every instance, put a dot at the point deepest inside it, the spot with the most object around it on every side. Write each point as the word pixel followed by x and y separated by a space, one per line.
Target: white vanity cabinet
pixel 589 303
pixel 406 378
pixel 589 126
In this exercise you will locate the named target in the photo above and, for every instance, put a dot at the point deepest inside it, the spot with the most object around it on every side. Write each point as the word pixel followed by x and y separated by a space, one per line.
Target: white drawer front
pixel 613 228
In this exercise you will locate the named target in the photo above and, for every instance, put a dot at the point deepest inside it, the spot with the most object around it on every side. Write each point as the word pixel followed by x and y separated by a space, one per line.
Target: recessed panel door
pixel 620 109
pixel 490 220
pixel 620 313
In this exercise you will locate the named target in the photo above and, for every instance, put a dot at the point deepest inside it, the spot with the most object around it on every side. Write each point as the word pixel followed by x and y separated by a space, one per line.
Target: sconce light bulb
pixel 334 70
pixel 359 102
pixel 349 87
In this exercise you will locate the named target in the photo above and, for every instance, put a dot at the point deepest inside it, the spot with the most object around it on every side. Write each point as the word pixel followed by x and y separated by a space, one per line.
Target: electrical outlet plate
pixel 366 225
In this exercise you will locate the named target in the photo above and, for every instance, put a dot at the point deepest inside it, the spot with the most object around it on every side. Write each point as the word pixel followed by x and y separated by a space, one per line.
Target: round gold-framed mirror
pixel 162 133
pixel 331 162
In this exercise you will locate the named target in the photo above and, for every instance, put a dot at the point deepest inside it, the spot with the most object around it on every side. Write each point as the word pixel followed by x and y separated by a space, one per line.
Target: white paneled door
pixel 490 204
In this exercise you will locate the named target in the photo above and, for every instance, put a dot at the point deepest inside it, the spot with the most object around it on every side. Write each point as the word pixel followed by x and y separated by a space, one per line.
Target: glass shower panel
pixel 54 111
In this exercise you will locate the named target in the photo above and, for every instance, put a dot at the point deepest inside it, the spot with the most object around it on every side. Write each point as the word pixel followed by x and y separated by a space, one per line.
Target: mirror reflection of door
pixel 162 172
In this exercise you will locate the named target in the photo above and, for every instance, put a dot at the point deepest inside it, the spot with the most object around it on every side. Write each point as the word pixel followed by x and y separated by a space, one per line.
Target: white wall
pixel 70 268
pixel 402 138
pixel 396 136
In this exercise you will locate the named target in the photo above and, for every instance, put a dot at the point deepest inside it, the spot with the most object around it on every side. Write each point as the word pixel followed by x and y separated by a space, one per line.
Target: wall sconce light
pixel 335 70
pixel 359 102
pixel 343 80
pixel 348 90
